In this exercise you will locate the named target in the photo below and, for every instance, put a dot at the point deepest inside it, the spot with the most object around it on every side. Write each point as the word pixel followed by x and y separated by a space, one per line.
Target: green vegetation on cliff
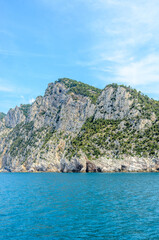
pixel 81 88
pixel 141 102
pixel 25 108
pixel 98 136
pixel 147 105
pixel 2 115
pixel 124 123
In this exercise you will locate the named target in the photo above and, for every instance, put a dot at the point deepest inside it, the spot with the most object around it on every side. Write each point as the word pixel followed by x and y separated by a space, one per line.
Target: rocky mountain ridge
pixel 75 127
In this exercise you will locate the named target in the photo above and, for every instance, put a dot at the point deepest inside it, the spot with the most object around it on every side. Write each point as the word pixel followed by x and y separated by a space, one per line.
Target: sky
pixel 97 42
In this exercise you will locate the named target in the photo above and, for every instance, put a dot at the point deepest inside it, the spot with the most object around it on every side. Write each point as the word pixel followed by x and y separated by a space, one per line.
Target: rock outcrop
pixel 115 103
pixel 75 127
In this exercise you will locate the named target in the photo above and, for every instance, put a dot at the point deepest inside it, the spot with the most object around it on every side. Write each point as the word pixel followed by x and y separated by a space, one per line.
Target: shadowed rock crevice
pixel 91 167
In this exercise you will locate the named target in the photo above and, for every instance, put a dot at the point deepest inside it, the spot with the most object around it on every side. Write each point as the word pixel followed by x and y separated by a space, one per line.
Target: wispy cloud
pixel 22 54
pixel 16 89
pixel 31 100
pixel 126 41
pixel 4 87
pixel 144 71
pixel 112 40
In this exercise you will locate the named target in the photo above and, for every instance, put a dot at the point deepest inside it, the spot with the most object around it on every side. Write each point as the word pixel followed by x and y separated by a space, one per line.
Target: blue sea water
pixel 79 206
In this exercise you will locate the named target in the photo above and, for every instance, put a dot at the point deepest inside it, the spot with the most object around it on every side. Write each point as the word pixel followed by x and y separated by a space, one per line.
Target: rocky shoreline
pixel 103 166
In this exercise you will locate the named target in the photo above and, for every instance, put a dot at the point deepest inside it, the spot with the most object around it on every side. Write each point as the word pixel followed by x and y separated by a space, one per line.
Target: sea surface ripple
pixel 79 206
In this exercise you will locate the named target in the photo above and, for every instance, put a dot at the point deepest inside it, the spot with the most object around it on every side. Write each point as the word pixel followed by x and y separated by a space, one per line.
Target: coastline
pixel 83 165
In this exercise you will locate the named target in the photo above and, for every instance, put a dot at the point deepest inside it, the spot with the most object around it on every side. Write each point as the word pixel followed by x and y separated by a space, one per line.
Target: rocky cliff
pixel 75 127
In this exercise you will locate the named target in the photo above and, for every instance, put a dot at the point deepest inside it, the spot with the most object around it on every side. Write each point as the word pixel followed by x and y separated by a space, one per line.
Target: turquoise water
pixel 79 206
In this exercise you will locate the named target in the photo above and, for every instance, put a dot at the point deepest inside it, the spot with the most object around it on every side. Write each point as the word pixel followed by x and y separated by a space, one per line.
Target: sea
pixel 79 206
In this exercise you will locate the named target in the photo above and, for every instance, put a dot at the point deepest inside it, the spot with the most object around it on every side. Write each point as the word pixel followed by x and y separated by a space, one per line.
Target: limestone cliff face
pixel 57 113
pixel 74 113
pixel 115 103
pixel 14 117
pixel 41 136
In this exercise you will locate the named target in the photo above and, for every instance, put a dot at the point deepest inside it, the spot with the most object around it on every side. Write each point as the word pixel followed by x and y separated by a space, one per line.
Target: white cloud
pixel 144 71
pixel 124 36
pixel 31 100
pixel 126 42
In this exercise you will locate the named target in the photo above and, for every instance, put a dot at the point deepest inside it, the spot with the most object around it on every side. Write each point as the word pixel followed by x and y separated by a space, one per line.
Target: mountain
pixel 75 127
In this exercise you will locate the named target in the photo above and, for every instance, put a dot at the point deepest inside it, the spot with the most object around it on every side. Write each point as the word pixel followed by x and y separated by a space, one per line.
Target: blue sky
pixel 94 41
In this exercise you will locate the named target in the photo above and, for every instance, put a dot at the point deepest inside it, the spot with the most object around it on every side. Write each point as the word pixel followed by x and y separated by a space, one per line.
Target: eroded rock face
pixel 127 164
pixel 14 117
pixel 115 104
pixel 74 113
pixel 39 138
pixel 57 111
pixel 72 166
pixel 144 123
pixel 91 167
pixel 67 112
